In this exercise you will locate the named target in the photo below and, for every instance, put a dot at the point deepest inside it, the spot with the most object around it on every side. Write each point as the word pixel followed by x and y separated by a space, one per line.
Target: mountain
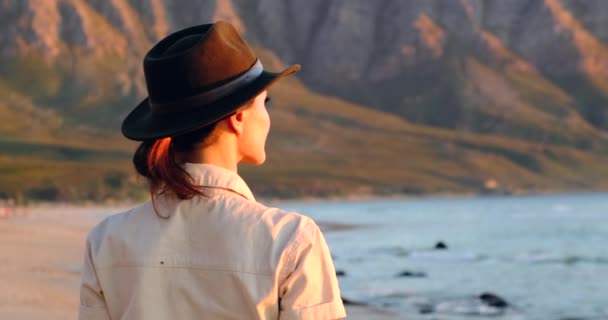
pixel 416 96
pixel 522 68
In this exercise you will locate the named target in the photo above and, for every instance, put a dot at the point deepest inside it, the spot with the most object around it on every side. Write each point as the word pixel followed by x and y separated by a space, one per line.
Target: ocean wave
pixel 530 257
pixel 446 256
pixel 545 258
pixel 431 254
pixel 459 307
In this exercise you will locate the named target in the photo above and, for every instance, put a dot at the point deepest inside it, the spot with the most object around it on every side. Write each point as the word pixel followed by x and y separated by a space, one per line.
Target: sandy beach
pixel 40 263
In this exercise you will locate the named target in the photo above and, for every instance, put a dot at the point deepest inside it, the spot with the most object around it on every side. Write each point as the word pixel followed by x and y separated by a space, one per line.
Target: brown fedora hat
pixel 195 77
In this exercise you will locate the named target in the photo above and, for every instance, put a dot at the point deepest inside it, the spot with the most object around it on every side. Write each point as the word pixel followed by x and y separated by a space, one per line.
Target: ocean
pixel 517 257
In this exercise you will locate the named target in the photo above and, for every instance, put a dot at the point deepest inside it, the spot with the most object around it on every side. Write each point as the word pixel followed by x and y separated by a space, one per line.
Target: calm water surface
pixel 547 256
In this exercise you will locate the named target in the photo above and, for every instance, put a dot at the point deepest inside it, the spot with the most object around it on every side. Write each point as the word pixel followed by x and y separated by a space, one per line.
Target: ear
pixel 236 122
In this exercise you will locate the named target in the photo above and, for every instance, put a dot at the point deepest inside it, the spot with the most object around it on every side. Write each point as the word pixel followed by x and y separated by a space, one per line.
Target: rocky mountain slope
pixel 513 79
pixel 520 68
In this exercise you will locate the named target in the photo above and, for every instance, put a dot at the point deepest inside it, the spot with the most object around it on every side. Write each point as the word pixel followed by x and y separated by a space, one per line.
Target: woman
pixel 203 248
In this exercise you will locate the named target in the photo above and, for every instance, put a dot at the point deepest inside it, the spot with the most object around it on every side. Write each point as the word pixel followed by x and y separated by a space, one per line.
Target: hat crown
pixel 181 65
pixel 195 77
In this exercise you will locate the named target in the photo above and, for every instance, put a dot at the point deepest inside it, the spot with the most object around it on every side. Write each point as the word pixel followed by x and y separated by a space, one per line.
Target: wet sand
pixel 40 263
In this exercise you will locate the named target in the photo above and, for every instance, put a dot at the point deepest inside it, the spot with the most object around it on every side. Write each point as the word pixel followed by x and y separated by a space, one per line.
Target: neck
pixel 218 154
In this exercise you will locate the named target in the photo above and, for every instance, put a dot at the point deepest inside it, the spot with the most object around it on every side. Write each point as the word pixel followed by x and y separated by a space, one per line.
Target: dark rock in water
pixel 441 246
pixel 411 274
pixel 340 273
pixel 348 302
pixel 426 309
pixel 493 300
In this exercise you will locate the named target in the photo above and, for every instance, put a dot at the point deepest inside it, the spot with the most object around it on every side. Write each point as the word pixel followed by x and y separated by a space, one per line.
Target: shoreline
pixel 349 198
pixel 428 196
pixel 99 211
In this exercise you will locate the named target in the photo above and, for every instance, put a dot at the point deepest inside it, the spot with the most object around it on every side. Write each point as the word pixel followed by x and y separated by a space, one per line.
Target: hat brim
pixel 143 124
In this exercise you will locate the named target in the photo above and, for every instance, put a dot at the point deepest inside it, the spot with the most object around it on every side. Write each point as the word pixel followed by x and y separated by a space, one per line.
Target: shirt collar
pixel 211 176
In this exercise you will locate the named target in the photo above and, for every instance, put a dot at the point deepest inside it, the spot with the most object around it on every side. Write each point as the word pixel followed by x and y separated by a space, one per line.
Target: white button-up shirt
pixel 224 256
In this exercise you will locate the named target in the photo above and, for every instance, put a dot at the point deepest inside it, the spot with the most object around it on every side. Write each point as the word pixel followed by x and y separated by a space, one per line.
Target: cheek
pixel 267 122
pixel 262 131
pixel 257 132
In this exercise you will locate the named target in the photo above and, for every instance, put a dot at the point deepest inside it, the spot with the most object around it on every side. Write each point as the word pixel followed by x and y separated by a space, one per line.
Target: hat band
pixel 212 95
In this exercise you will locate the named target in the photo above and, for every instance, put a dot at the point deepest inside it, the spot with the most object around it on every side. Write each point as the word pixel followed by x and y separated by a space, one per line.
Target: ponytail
pixel 156 161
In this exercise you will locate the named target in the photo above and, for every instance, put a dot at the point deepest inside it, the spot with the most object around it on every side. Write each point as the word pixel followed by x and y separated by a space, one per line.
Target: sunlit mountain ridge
pixel 394 97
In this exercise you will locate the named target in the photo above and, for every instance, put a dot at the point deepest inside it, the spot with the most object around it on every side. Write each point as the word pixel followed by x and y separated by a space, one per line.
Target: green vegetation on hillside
pixel 473 126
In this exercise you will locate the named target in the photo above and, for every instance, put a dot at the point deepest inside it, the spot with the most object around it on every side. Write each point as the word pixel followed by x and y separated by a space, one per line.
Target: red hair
pixel 156 160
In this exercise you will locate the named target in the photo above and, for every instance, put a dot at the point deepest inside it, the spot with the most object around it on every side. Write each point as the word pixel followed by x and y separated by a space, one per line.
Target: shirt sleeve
pixel 310 290
pixel 92 302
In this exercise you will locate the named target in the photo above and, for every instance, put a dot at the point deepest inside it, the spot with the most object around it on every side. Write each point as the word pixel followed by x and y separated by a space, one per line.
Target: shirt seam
pixel 290 258
pixel 320 304
pixel 100 306
pixel 187 267
pixel 334 309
